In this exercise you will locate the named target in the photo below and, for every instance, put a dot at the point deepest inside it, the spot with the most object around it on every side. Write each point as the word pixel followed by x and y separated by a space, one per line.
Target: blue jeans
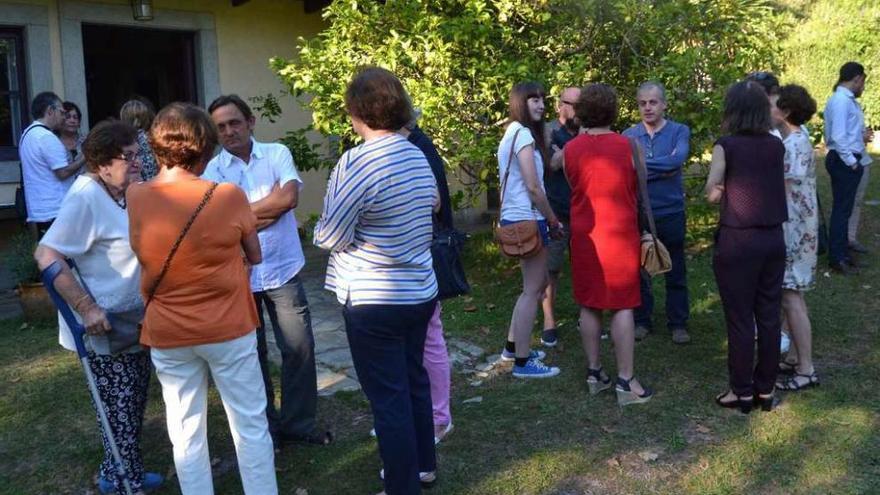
pixel 844 184
pixel 670 231
pixel 543 230
pixel 292 325
pixel 388 346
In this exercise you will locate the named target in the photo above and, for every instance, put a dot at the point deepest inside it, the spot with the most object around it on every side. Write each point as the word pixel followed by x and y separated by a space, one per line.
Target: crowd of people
pixel 181 251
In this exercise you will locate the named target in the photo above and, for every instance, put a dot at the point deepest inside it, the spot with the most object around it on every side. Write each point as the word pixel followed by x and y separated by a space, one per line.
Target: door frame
pixel 74 14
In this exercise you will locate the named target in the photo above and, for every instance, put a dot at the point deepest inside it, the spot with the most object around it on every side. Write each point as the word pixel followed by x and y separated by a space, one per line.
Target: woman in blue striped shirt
pixel 376 223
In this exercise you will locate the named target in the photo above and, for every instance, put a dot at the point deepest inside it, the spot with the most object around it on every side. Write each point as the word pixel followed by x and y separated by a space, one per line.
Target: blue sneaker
pixel 151 482
pixel 534 368
pixel 533 354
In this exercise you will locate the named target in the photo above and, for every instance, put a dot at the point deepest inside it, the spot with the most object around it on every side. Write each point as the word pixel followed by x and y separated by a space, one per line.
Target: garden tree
pixel 828 34
pixel 459 58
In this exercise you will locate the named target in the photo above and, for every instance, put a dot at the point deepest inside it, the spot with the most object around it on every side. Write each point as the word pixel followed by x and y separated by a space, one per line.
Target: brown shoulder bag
pixel 517 239
pixel 655 257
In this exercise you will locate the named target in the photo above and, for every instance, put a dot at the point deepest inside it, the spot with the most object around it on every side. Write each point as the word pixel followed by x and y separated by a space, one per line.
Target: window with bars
pixel 13 93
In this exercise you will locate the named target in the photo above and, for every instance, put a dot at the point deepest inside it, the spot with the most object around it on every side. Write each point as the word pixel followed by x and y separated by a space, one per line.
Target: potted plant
pixel 18 257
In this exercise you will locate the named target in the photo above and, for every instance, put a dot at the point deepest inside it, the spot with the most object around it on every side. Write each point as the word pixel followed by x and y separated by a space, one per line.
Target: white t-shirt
pixel 270 164
pixel 41 153
pixel 516 204
pixel 93 230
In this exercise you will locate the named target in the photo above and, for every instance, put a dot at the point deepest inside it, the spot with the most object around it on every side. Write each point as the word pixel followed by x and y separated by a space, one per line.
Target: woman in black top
pixel 747 178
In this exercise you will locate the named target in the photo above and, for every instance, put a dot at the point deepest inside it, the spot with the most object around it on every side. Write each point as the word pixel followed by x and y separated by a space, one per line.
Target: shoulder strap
pixel 21 140
pixel 642 175
pixel 509 163
pixel 205 199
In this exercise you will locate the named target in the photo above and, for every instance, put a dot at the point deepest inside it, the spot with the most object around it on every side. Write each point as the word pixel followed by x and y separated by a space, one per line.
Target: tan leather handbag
pixel 655 257
pixel 518 239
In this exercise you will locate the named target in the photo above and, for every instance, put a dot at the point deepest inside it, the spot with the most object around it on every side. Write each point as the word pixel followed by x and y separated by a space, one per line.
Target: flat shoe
pixel 446 431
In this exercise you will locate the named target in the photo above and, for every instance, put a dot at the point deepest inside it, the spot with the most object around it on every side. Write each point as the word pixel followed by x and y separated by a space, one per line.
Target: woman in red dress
pixel 605 246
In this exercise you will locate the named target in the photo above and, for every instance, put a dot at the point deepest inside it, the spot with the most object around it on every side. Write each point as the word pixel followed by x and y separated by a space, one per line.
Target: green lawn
pixel 527 437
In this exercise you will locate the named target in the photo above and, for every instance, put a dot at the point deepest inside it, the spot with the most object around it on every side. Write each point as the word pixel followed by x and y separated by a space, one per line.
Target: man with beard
pixel 563 130
pixel 845 138
pixel 666 144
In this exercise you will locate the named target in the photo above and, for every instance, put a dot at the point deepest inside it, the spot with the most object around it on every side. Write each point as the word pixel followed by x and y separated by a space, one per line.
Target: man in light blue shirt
pixel 266 174
pixel 845 138
pixel 667 145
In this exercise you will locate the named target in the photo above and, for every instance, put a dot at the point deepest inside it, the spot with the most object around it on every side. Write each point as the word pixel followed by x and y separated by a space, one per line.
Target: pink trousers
pixel 437 365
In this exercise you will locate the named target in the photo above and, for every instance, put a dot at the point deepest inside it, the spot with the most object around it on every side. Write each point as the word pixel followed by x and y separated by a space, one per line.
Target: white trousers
pixel 856 214
pixel 183 373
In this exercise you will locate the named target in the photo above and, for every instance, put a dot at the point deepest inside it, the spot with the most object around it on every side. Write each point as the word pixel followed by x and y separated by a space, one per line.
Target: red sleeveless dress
pixel 605 246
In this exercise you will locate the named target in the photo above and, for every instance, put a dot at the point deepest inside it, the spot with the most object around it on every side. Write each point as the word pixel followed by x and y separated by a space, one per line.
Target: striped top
pixel 377 224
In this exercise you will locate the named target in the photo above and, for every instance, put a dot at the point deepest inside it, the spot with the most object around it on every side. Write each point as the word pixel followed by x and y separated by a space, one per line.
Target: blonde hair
pixel 137 114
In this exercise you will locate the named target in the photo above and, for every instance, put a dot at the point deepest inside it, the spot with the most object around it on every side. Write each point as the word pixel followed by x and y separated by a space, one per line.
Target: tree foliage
pixel 829 33
pixel 459 58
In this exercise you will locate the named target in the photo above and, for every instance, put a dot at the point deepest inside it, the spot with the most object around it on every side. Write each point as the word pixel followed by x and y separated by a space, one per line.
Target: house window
pixel 13 95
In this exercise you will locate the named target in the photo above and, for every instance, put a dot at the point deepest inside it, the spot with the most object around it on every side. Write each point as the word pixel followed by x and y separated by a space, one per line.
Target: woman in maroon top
pixel 747 178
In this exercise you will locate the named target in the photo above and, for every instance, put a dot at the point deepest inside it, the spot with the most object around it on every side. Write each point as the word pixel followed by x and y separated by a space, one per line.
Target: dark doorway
pixel 122 63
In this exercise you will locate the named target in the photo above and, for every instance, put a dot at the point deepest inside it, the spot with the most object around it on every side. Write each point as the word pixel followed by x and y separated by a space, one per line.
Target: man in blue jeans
pixel 666 144
pixel 845 138
pixel 266 173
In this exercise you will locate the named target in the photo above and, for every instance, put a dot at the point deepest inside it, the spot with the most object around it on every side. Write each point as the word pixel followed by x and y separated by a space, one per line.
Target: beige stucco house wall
pixel 233 48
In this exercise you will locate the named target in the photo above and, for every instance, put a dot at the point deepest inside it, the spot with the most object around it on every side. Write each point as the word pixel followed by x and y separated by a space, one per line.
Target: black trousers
pixel 844 184
pixel 749 267
pixel 387 346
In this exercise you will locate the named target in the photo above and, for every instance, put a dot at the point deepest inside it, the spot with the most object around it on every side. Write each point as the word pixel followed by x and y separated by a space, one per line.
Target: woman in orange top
pixel 189 235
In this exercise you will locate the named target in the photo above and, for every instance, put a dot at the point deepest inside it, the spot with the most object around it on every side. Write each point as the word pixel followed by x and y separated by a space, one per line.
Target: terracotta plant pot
pixel 35 302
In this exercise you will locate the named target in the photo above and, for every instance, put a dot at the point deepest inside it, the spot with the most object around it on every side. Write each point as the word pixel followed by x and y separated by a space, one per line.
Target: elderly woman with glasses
pixel 92 229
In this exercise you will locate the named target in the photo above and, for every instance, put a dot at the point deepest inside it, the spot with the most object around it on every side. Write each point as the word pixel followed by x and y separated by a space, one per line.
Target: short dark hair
pixel 596 106
pixel 377 98
pixel 182 135
pixel 797 101
pixel 105 142
pixel 850 71
pixel 70 106
pixel 518 110
pixel 746 109
pixel 42 102
pixel 232 99
pixel 766 80
pixel 649 85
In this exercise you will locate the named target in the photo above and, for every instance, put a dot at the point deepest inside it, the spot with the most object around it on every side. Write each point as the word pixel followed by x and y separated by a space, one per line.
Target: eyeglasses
pixel 566 102
pixel 129 157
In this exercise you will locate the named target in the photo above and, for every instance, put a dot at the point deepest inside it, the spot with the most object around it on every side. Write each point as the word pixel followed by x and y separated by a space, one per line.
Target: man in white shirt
pixel 266 173
pixel 46 171
pixel 845 138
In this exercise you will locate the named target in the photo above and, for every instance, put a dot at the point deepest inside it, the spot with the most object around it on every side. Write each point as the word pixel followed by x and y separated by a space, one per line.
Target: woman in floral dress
pixel 792 108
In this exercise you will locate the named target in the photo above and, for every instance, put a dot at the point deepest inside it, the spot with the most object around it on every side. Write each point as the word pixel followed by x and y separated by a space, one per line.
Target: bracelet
pixel 78 303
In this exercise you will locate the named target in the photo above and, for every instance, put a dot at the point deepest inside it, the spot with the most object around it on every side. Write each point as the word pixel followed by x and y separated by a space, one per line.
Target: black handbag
pixel 446 251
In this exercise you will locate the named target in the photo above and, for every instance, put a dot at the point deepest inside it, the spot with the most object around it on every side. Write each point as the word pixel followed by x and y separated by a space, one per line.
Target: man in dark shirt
pixel 563 130
pixel 666 144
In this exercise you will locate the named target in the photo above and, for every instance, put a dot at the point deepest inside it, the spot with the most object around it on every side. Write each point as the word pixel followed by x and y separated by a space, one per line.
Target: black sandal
pixel 786 368
pixel 315 437
pixel 597 380
pixel 744 405
pixel 791 384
